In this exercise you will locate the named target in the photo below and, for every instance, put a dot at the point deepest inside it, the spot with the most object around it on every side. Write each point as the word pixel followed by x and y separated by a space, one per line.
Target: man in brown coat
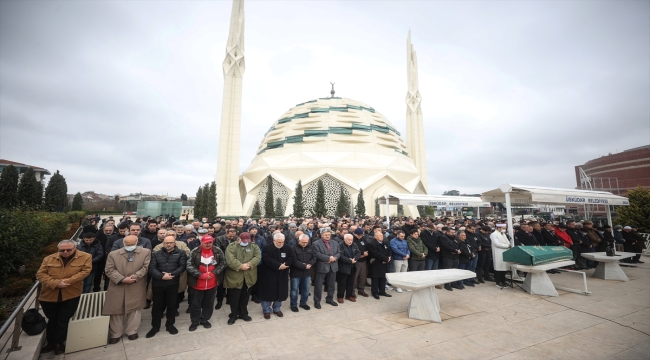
pixel 127 270
pixel 61 275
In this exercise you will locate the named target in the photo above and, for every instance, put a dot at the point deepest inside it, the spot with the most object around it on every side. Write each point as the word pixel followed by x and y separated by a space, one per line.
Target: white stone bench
pixel 424 303
pixel 537 281
pixel 608 267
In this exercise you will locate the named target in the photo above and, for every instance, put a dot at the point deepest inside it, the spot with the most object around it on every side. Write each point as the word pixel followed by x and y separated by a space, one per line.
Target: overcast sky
pixel 125 96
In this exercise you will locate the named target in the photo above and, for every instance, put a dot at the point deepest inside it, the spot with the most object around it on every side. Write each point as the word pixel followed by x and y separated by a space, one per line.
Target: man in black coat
pixel 429 237
pixel 484 255
pixel 524 237
pixel 300 272
pixel 273 280
pixel 577 239
pixel 359 283
pixel 166 267
pixel 537 233
pixel 548 234
pixel 450 249
pixel 380 255
pixel 102 236
pixel 347 268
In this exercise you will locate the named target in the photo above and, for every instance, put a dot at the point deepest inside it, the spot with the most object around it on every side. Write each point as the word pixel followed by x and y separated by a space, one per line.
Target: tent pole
pixel 509 215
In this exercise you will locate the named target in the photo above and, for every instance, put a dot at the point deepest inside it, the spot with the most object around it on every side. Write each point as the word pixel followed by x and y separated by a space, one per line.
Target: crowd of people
pixel 152 263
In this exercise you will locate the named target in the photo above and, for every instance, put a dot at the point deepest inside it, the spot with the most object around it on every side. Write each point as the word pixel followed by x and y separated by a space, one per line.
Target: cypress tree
pixel 279 209
pixel 319 206
pixel 205 192
pixel 9 187
pixel 183 197
pixel 360 209
pixel 77 202
pixel 298 202
pixel 257 211
pixel 212 202
pixel 340 205
pixel 30 191
pixel 400 210
pixel 377 207
pixel 269 211
pixel 56 192
pixel 198 206
pixel 638 213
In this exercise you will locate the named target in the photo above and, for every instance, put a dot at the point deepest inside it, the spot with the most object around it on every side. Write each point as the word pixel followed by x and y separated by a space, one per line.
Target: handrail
pixel 17 315
pixel 19 309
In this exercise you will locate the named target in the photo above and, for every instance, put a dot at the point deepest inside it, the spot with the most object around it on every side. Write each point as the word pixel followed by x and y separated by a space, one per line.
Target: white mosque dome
pixel 344 142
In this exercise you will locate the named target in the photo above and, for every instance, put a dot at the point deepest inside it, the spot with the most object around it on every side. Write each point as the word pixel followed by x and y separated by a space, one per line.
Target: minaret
pixel 228 197
pixel 414 123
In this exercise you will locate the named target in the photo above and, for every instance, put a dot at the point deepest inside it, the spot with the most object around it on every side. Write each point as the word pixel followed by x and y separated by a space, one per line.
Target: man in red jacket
pixel 205 263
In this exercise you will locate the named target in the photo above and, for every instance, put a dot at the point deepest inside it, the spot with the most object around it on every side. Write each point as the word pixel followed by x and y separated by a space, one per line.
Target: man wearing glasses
pixel 61 275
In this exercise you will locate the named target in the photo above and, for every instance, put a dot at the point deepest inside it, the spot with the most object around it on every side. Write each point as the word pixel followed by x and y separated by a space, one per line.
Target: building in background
pixel 39 172
pixel 616 173
pixel 155 208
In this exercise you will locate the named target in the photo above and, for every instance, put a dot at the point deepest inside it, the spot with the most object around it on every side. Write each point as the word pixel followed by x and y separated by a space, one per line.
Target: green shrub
pixel 24 233
pixel 74 216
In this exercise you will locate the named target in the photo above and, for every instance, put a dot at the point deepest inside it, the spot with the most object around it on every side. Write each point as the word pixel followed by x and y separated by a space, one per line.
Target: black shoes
pixel 489 278
pixel 193 327
pixel 232 320
pixel 171 329
pixel 481 281
pixel 458 287
pixel 219 304
pixel 331 302
pixel 470 284
pixel 375 296
pixel 306 307
pixel 447 287
pixel 294 309
pixel 152 333
pixel 386 295
pixel 316 305
pixel 206 324
pixel 245 317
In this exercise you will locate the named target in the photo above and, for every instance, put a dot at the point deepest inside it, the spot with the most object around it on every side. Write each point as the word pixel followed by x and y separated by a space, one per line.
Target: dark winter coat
pixel 448 247
pixel 94 249
pixel 378 253
pixel 430 240
pixel 550 239
pixel 301 258
pixel 162 261
pixel 273 284
pixel 523 238
pixel 345 261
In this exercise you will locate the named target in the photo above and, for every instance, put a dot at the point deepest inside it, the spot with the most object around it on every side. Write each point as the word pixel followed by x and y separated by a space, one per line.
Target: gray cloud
pixel 126 96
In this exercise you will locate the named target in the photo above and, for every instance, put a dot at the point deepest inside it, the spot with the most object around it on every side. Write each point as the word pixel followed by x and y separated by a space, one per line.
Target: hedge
pixel 75 216
pixel 24 233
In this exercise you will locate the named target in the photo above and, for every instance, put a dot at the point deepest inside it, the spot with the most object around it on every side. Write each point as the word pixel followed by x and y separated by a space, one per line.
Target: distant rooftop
pixel 4 163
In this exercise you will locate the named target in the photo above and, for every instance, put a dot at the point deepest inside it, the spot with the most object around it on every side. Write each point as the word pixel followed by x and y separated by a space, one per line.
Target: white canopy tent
pixel 432 200
pixel 523 194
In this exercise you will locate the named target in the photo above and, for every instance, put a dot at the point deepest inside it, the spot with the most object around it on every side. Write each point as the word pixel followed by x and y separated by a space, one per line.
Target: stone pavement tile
pixel 108 352
pixel 458 309
pixel 454 349
pixel 471 324
pixel 230 351
pixel 393 325
pixel 339 351
pixel 337 333
pixel 613 309
pixel 529 353
pixel 368 326
pixel 286 342
pixel 395 342
pixel 563 322
pixel 629 355
pixel 403 318
pixel 513 338
pixel 143 348
pixel 273 326
pixel 613 334
pixel 576 347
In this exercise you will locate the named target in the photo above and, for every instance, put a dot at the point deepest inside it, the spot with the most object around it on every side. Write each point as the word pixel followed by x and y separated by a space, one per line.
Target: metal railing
pixel 646 236
pixel 17 315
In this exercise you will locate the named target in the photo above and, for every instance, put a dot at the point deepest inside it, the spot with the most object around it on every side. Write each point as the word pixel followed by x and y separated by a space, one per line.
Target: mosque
pixel 343 142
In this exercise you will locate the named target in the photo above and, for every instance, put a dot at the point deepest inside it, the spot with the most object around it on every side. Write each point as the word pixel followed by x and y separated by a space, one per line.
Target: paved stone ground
pixel 478 323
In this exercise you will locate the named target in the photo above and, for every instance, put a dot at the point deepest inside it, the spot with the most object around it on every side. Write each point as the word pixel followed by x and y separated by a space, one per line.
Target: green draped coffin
pixel 537 255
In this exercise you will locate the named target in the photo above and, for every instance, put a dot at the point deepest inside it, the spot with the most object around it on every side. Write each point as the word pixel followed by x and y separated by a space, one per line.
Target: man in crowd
pixel 450 252
pixel 347 267
pixel 204 267
pixel 277 258
pixel 418 251
pixel 300 272
pixel 467 254
pixel 361 271
pixel 401 254
pixel 102 236
pixel 165 268
pixel 430 239
pixel 484 255
pixel 222 242
pixel 127 270
pixel 122 229
pixel 259 240
pixel 242 257
pixel 90 245
pixel 151 233
pixel 134 230
pixel 327 254
pixel 524 236
pixel 380 255
pixel 61 275
pixel 548 235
